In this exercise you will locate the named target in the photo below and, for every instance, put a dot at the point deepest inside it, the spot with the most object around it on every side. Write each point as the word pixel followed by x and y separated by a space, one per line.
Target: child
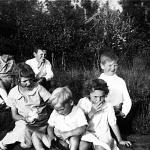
pixel 3 94
pixel 28 106
pixel 41 66
pixel 66 123
pixel 101 118
pixel 7 64
pixel 118 95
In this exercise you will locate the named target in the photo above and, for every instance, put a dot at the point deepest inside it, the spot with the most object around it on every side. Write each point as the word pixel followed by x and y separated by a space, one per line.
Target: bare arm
pixel 50 132
pixel 118 136
pixel 16 116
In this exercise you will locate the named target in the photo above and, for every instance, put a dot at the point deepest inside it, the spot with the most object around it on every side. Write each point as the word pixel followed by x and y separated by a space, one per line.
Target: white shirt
pixel 118 92
pixel 46 68
pixel 69 122
pixel 25 103
pixel 99 123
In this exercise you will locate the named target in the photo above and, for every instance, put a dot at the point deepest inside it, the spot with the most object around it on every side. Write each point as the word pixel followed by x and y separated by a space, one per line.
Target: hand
pixel 96 107
pixel 125 143
pixel 122 115
pixel 60 134
pixel 57 132
pixel 47 140
pixel 29 121
pixel 64 135
pixel 42 73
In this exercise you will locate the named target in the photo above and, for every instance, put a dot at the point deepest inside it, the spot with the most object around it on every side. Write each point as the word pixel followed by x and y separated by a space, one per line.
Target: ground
pixel 140 142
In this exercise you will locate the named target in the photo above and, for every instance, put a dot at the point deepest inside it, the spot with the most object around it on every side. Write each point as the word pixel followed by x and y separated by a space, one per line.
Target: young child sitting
pixel 41 67
pixel 101 118
pixel 66 123
pixel 28 101
pixel 118 94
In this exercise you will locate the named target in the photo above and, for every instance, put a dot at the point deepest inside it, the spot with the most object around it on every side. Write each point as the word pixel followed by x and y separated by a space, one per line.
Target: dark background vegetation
pixel 74 41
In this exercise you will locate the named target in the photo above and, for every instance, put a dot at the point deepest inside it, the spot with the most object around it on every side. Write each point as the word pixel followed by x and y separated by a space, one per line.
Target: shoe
pixel 2 147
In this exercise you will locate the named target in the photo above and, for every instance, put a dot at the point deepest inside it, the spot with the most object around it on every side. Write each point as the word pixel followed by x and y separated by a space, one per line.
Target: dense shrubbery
pixel 75 40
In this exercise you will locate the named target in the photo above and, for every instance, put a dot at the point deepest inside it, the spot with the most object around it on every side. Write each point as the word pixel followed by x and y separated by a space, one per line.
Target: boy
pixel 66 123
pixel 41 66
pixel 118 95
pixel 101 118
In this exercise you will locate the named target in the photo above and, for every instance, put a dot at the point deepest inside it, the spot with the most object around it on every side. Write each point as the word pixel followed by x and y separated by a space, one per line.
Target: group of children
pixel 42 117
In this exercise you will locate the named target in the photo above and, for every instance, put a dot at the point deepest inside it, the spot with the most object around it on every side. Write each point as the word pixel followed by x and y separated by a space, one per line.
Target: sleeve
pixel 51 120
pixel 11 99
pixel 111 115
pixel 49 72
pixel 81 119
pixel 28 62
pixel 45 95
pixel 85 105
pixel 33 64
pixel 126 100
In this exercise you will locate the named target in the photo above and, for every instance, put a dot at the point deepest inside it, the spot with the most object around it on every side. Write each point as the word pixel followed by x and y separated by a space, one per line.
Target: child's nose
pixel 98 98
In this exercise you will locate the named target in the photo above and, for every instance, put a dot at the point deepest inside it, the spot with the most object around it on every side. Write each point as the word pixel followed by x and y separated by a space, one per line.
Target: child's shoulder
pixel 107 106
pixel 84 101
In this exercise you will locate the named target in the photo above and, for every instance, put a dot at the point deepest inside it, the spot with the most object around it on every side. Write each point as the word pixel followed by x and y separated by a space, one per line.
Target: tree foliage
pixel 73 36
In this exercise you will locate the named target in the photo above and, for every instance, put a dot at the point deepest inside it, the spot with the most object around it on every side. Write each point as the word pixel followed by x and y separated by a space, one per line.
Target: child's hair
pixel 63 93
pixel 108 56
pixel 95 84
pixel 38 48
pixel 24 70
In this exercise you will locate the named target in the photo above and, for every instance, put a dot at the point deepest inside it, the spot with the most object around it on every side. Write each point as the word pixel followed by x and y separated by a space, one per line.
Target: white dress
pixel 98 131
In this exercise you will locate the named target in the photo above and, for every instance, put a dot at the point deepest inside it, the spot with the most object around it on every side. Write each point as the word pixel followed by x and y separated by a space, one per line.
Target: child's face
pixel 40 55
pixel 63 108
pixel 26 82
pixel 110 67
pixel 97 97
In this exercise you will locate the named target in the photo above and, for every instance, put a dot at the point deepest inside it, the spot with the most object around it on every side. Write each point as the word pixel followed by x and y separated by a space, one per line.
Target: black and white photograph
pixel 74 74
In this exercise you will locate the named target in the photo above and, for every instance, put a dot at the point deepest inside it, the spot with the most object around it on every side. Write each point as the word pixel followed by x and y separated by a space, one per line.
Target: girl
pixel 101 118
pixel 28 101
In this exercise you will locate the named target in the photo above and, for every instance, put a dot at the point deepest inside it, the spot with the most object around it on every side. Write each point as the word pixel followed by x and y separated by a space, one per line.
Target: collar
pixel 30 93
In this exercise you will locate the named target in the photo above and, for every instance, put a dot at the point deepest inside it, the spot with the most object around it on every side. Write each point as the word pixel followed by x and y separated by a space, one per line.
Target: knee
pixel 85 145
pixel 74 142
pixel 24 145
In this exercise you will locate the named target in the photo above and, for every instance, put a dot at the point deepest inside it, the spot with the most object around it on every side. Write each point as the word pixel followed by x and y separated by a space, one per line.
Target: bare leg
pixel 74 143
pixel 98 147
pixel 37 140
pixel 85 145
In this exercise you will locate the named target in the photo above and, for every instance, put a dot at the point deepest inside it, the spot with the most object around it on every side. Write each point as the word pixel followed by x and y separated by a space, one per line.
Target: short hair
pixel 35 50
pixel 95 84
pixel 63 93
pixel 108 56
pixel 24 70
